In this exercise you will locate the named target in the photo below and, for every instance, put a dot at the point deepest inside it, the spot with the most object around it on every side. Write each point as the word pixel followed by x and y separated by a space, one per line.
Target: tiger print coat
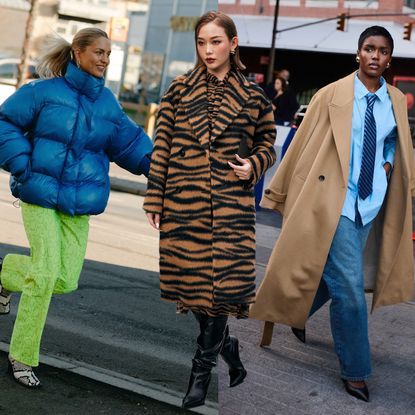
pixel 207 229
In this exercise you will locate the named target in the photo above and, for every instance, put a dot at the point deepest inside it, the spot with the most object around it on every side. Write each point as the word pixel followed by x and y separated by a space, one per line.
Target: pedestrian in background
pixel 57 137
pixel 350 168
pixel 284 104
pixel 200 194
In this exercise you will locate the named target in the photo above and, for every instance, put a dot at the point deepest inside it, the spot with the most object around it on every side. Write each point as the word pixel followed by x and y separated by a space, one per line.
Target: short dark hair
pixel 375 31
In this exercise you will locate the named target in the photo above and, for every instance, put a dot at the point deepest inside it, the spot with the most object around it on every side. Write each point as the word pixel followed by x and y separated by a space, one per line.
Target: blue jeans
pixel 343 283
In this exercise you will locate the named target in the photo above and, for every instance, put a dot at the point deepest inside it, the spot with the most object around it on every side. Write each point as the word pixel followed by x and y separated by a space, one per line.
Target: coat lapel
pixel 340 112
pixel 195 104
pixel 234 98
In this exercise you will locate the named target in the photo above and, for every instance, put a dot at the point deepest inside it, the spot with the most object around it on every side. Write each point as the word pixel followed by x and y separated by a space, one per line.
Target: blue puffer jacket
pixel 57 137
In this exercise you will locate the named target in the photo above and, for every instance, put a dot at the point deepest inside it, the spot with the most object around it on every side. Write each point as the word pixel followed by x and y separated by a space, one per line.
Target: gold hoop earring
pixel 388 65
pixel 357 59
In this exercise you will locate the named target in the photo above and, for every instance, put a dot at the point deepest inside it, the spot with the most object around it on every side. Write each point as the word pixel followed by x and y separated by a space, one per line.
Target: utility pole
pixel 22 69
pixel 272 50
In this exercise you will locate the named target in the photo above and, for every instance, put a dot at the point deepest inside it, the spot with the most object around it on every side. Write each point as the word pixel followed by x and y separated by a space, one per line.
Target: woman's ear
pixel 234 42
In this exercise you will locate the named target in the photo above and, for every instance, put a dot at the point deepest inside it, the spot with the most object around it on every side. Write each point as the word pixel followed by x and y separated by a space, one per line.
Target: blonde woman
pixel 57 137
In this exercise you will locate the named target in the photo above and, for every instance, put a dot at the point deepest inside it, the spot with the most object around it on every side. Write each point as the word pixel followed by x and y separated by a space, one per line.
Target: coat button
pixel 321 178
pixel 267 191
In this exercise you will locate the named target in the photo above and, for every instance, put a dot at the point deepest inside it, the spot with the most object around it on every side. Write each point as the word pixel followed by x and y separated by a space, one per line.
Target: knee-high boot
pixel 209 345
pixel 230 354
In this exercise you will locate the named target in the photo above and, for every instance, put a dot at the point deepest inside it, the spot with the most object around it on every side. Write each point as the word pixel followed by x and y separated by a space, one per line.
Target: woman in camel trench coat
pixel 309 189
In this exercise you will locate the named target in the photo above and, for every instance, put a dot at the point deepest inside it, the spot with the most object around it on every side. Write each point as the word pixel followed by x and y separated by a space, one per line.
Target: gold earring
pixel 388 65
pixel 357 59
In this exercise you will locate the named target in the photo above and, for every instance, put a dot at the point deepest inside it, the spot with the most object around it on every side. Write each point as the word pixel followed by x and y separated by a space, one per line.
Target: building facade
pixel 307 42
pixel 169 47
pixel 318 8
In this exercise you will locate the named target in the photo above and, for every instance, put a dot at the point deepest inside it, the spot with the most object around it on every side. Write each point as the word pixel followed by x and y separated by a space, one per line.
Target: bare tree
pixel 24 57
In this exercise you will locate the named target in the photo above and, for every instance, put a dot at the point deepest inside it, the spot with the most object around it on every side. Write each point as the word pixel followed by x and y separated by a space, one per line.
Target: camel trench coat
pixel 309 189
pixel 207 229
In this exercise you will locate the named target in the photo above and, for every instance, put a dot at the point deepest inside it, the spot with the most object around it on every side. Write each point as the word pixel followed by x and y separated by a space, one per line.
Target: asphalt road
pixel 65 393
pixel 115 320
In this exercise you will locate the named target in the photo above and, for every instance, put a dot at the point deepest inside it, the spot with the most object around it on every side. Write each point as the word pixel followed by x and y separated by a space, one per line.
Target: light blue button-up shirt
pixel 385 151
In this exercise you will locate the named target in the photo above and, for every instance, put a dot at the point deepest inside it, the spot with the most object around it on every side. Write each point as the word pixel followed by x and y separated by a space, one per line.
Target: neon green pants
pixel 57 250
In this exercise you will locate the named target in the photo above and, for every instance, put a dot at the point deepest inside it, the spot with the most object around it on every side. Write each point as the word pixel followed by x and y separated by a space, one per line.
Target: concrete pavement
pixel 291 378
pixel 286 378
pixel 294 378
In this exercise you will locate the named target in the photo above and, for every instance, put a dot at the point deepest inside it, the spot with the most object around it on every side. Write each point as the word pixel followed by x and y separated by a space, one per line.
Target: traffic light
pixel 407 31
pixel 341 22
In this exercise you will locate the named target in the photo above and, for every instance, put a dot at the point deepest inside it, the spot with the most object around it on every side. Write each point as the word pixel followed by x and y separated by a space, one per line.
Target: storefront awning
pixel 256 31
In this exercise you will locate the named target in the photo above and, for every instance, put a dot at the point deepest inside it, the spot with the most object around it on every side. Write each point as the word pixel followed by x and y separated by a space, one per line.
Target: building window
pixel 409 3
pixel 248 2
pixel 321 3
pixel 286 3
pixel 226 1
pixel 361 4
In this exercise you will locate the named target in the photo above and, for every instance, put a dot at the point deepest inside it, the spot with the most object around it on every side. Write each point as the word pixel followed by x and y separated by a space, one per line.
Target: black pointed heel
pixel 299 333
pixel 359 393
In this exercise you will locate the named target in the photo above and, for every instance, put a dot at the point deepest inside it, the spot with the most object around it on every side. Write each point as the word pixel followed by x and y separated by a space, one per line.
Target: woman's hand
pixel 244 170
pixel 153 219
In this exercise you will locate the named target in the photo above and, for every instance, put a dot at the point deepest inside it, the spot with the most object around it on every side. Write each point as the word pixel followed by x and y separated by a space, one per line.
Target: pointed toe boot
pixel 210 343
pixel 230 354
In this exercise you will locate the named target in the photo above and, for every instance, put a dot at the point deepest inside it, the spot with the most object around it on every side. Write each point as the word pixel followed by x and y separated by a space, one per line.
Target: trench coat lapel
pixel 234 98
pixel 340 113
pixel 195 104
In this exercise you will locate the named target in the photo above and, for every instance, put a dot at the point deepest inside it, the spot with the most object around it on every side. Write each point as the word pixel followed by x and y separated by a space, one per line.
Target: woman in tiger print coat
pixel 200 194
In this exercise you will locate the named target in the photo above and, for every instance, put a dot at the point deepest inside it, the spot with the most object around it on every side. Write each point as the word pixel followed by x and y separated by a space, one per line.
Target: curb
pixel 118 380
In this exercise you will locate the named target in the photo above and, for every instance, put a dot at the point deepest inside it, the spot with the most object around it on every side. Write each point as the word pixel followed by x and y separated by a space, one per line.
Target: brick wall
pixel 310 9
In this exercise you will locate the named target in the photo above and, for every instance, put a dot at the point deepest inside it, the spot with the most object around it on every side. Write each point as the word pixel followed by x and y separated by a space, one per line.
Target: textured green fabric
pixel 57 250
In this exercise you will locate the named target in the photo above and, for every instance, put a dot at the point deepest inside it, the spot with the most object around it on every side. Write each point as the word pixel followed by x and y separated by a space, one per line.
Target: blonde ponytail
pixel 59 52
pixel 54 61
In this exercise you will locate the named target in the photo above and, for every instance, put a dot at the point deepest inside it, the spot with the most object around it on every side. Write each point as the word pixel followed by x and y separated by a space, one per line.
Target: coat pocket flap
pixel 274 196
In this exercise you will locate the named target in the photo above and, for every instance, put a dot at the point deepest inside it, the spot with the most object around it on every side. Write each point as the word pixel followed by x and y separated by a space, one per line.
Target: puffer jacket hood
pixel 57 137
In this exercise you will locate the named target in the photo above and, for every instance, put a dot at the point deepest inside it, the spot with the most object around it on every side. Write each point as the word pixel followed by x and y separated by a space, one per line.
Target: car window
pixel 8 70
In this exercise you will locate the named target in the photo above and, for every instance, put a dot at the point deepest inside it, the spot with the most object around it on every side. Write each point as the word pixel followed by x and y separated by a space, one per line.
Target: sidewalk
pixel 291 378
pixel 124 181
pixel 287 378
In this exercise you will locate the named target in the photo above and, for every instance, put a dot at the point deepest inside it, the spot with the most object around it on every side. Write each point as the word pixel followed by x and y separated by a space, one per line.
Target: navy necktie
pixel 365 184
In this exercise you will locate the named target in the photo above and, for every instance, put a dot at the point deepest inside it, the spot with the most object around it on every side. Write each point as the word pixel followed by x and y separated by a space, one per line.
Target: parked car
pixel 8 76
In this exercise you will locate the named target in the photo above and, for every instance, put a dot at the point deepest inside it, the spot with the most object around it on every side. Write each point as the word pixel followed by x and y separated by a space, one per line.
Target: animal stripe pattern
pixel 207 230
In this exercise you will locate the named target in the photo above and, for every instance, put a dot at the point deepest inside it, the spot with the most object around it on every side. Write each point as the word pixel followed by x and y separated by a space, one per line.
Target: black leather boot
pixel 230 354
pixel 209 342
